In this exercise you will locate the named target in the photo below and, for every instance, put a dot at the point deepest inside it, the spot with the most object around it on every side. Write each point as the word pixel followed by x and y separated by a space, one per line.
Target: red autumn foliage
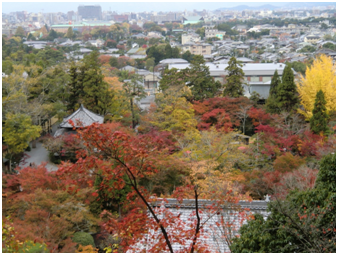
pixel 218 118
pixel 120 47
pixel 226 105
pixel 127 159
pixel 104 59
pixel 259 116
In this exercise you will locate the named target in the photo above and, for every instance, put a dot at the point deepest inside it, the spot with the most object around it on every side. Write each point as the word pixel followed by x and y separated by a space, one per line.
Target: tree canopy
pixel 320 76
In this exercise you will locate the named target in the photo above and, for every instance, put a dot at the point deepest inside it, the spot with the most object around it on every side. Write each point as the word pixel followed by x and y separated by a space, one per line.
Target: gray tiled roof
pixel 212 234
pixel 81 118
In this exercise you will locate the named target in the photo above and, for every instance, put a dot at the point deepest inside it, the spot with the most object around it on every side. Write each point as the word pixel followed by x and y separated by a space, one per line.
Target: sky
pixel 127 6
pixel 132 5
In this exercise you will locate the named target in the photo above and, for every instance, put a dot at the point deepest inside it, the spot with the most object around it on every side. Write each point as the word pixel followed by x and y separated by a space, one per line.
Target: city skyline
pixel 36 7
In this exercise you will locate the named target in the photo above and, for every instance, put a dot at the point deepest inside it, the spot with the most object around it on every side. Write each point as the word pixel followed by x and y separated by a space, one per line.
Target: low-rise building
pixel 189 38
pixel 313 39
pixel 211 31
pixel 197 49
pixel 257 75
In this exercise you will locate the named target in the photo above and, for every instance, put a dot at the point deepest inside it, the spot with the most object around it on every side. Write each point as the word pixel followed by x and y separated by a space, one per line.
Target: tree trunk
pixel 132 113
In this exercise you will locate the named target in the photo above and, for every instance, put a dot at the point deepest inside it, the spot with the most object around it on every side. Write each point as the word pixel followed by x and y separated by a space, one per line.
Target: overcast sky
pixel 157 6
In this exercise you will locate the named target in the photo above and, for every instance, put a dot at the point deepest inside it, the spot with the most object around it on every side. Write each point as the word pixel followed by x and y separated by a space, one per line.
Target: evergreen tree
pixel 234 79
pixel 20 32
pixel 319 119
pixel 31 37
pixel 198 78
pixel 97 96
pixel 168 51
pixel 75 87
pixel 287 97
pixel 187 56
pixel 52 35
pixel 134 90
pixel 271 105
pixel 305 222
pixel 70 33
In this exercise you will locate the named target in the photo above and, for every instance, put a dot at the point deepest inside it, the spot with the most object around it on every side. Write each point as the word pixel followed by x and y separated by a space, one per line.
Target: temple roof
pixel 81 118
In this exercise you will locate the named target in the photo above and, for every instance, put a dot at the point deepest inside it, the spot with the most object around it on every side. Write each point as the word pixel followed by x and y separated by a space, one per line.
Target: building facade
pixel 90 12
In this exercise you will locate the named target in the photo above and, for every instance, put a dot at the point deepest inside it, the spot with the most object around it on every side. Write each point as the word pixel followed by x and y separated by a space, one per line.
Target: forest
pixel 200 139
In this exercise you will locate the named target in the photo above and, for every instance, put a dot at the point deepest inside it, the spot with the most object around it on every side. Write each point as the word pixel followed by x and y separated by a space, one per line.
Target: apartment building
pixel 211 31
pixel 197 49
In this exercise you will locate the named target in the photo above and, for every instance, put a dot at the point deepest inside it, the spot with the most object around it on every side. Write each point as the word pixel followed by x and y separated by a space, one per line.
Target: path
pixel 38 155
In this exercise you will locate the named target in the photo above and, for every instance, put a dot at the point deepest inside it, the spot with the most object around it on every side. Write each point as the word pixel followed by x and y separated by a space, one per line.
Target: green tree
pixel 31 37
pixel 198 78
pixel 201 32
pixel 187 56
pixel 308 48
pixel 271 105
pixel 172 78
pixel 70 33
pixel 20 32
pixel 113 62
pixel 168 51
pixel 299 67
pixel 234 79
pixel 330 46
pixel 150 63
pixel 319 119
pixel 287 96
pixel 97 96
pixel 323 26
pixel 7 67
pixel 134 90
pixel 52 35
pixel 75 87
pixel 304 222
pixel 18 132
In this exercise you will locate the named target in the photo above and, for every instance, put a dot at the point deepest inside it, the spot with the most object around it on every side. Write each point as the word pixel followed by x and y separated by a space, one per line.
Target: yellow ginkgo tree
pixel 320 76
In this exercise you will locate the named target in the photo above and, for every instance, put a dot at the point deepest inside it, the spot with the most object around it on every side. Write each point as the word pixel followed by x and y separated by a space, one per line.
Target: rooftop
pixel 82 117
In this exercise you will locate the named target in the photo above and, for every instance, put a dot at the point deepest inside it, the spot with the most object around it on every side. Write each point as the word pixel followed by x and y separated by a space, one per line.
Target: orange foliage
pixel 287 163
pixel 113 82
pixel 104 59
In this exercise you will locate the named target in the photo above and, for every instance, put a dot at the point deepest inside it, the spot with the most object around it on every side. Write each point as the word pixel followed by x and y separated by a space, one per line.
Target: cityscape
pixel 169 127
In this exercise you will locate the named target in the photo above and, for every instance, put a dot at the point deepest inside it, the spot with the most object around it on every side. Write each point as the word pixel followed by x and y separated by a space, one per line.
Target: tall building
pixel 90 12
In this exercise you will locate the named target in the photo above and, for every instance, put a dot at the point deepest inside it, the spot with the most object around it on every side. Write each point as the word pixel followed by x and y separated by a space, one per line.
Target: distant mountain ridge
pixel 272 7
pixel 246 7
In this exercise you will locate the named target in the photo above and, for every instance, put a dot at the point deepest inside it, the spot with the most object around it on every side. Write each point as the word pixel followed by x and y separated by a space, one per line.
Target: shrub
pixel 287 163
pixel 83 238
pixel 31 247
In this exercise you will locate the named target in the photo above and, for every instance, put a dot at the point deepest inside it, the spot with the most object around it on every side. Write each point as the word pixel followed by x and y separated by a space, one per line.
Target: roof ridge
pixel 90 112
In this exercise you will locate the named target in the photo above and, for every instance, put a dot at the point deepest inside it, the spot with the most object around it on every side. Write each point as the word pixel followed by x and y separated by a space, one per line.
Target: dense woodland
pixel 187 145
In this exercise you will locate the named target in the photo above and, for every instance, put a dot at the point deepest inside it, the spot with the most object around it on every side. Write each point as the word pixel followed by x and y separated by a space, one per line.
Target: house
pixel 154 34
pixel 190 38
pixel 96 43
pixel 82 117
pixel 313 39
pixel 128 68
